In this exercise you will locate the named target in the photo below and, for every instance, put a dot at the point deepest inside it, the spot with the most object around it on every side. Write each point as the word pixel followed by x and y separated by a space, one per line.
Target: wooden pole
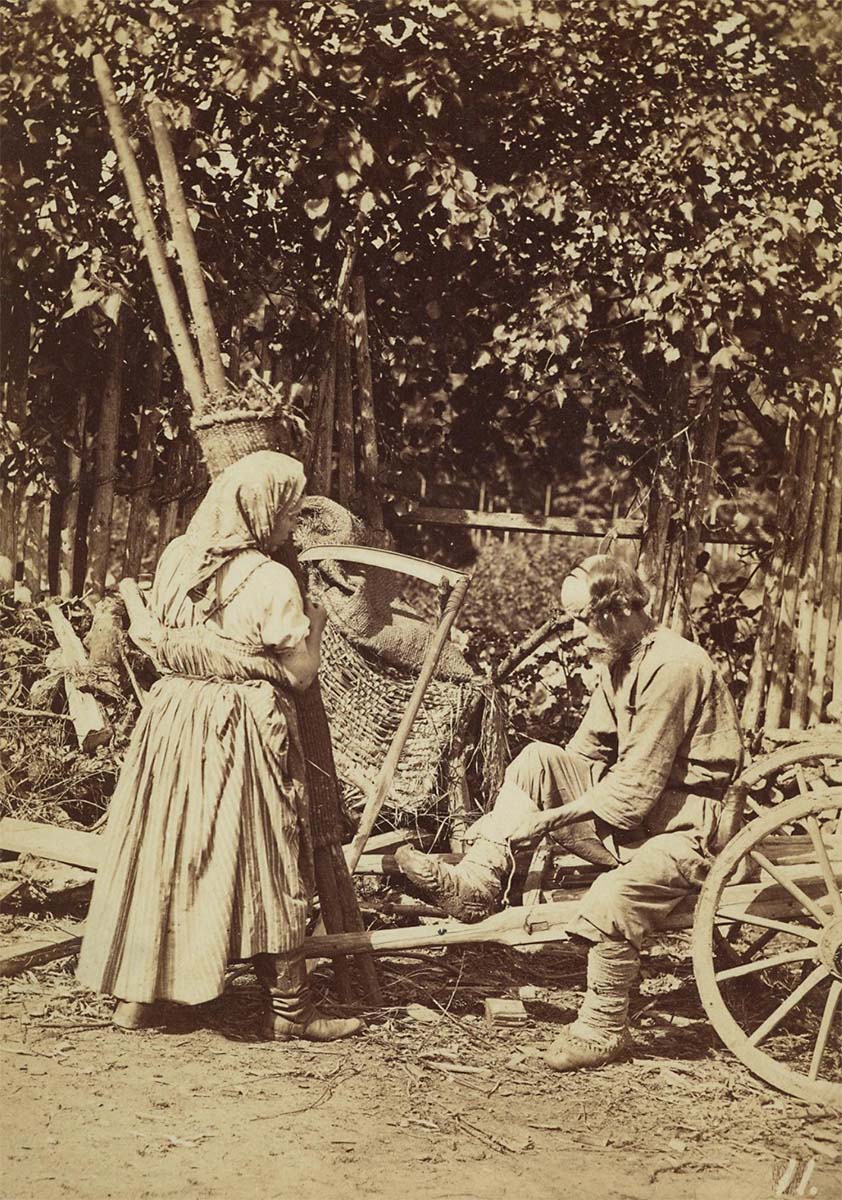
pixel 810 580
pixel 16 351
pixel 105 460
pixel 144 466
pixel 387 771
pixel 168 518
pixel 345 414
pixel 836 691
pixel 70 505
pixel 369 459
pixel 707 439
pixel 830 559
pixel 319 467
pixel 782 649
pixel 32 546
pixel 185 245
pixel 773 584
pixel 176 326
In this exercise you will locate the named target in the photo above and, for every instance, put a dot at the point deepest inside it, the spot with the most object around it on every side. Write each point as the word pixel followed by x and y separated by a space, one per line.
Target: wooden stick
pixel 830 558
pixel 390 764
pixel 168 518
pixel 319 466
pixel 836 694
pixel 332 915
pixel 781 653
pixel 759 671
pixel 474 518
pixel 35 712
pixel 185 245
pixel 352 921
pixel 70 505
pixel 811 585
pixel 32 547
pixel 167 296
pixel 703 474
pixel 144 463
pixel 345 414
pixel 368 425
pixel 105 460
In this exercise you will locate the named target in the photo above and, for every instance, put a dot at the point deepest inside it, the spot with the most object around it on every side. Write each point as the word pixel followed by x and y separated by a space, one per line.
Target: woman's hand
pixel 316 614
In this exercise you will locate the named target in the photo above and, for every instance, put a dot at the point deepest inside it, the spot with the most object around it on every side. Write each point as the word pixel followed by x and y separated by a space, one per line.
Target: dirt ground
pixel 427 1103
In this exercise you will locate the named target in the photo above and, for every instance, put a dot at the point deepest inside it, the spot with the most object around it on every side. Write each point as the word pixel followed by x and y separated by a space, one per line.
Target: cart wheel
pixel 767 955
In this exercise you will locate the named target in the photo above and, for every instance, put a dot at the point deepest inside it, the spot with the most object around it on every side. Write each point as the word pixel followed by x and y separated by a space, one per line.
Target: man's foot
pixel 465 891
pixel 316 1029
pixel 570 1051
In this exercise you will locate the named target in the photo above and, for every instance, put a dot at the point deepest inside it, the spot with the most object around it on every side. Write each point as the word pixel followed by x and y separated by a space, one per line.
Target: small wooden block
pixel 500 1013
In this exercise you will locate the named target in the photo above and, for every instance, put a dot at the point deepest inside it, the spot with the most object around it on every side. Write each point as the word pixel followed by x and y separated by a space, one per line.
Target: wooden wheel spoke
pixel 824 1029
pixel 763 964
pixel 774 1019
pixel 762 940
pixel 790 886
pixel 830 880
pixel 803 931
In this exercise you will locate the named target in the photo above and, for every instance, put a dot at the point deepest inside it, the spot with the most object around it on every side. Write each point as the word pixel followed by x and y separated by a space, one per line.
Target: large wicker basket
pixel 228 435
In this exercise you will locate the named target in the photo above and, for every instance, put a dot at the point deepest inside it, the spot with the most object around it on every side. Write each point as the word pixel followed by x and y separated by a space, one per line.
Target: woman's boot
pixel 131 1014
pixel 290 1012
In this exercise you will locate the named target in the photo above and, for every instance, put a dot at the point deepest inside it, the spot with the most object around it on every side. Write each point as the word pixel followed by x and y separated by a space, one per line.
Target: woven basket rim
pixel 229 415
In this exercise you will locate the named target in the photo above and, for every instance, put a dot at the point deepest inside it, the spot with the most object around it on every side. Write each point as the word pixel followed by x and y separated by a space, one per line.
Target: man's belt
pixel 707 789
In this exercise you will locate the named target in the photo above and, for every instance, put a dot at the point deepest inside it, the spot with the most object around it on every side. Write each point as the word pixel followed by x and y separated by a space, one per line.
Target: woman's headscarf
pixel 239 513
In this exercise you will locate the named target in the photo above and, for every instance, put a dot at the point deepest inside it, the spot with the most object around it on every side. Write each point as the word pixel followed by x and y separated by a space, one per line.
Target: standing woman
pixel 207 854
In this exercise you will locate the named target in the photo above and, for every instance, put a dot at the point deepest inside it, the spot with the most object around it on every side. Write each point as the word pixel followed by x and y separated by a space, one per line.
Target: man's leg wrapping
pixel 613 968
pixel 542 776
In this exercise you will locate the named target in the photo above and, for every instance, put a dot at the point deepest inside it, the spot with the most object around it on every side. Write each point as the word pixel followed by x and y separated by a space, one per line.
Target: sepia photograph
pixel 420 599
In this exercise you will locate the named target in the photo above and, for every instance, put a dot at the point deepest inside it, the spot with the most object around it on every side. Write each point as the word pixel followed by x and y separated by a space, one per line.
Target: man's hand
pixel 529 832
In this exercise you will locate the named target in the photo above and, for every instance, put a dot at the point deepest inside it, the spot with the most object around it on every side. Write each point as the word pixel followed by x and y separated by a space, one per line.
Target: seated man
pixel 639 788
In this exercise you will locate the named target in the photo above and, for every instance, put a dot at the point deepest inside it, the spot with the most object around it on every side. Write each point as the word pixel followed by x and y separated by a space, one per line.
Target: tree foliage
pixel 571 210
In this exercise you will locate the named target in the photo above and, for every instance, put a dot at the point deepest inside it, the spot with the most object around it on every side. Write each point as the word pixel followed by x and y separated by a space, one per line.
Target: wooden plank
pixel 547 922
pixel 47 947
pixel 81 849
pixel 470 518
pixel 8 887
pixel 72 846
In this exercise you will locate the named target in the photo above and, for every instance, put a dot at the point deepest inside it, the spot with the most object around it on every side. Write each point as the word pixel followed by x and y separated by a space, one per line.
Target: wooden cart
pixel 766 926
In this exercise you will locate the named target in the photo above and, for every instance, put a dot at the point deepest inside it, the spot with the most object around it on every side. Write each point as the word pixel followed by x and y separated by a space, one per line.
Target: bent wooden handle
pixel 387 772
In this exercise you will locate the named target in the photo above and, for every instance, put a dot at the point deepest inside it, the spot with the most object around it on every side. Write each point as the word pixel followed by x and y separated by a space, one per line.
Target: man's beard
pixel 613 654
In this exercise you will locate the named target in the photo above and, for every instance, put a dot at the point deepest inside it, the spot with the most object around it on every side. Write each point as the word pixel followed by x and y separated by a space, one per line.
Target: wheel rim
pixel 797 929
